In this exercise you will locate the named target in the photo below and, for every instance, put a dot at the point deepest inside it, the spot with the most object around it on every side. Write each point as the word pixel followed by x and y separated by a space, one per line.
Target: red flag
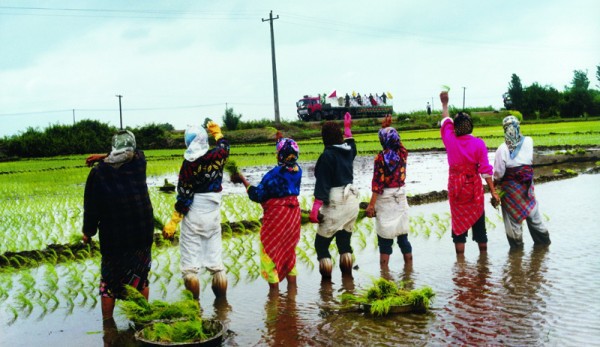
pixel 333 95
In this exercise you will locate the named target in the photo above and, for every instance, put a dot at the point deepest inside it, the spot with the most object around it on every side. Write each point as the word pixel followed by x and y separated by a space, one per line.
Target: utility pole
pixel 120 110
pixel 276 96
pixel 432 104
pixel 464 88
pixel 73 116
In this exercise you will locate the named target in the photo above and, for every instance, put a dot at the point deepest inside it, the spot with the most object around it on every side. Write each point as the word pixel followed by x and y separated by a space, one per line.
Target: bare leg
pixel 108 307
pixel 460 248
pixel 408 258
pixel 192 284
pixel 384 260
pixel 482 247
pixel 291 281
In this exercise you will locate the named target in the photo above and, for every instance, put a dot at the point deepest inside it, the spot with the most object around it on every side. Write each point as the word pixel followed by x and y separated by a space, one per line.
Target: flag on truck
pixel 333 95
pixel 389 95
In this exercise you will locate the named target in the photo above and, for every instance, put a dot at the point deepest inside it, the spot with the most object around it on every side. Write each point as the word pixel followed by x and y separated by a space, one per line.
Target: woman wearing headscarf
pixel 336 199
pixel 198 208
pixel 278 193
pixel 468 161
pixel 514 171
pixel 117 206
pixel 388 199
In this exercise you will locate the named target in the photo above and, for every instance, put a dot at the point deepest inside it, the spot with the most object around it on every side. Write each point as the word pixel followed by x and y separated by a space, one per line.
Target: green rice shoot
pixel 384 294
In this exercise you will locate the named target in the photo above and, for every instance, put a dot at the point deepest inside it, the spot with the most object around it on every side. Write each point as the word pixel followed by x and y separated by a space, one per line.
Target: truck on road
pixel 313 108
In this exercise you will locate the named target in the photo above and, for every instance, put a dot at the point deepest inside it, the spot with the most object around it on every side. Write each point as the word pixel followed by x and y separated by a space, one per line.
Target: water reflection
pixel 523 301
pixel 113 337
pixel 281 319
pixel 474 315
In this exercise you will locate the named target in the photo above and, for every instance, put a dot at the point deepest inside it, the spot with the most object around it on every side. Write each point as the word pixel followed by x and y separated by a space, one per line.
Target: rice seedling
pixel 141 312
pixel 384 296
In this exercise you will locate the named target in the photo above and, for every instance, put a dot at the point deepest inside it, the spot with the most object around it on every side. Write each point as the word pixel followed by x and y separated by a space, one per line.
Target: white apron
pixel 341 212
pixel 200 240
pixel 391 210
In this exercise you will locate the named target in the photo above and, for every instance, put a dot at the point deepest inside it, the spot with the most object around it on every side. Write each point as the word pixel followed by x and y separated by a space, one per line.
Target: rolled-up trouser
pixel 342 241
pixel 537 229
pixel 200 241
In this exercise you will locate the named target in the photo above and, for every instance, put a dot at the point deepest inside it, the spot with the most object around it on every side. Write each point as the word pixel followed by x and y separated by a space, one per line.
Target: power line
pixel 131 109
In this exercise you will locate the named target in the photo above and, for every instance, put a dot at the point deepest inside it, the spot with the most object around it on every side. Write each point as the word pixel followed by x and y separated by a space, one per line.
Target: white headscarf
pixel 196 140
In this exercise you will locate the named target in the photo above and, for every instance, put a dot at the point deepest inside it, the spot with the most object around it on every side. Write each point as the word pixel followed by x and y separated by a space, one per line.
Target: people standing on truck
pixel 372 100
pixel 198 208
pixel 513 170
pixel 468 161
pixel 117 206
pixel 280 232
pixel 358 99
pixel 384 97
pixel 347 98
pixel 366 100
pixel 388 199
pixel 428 109
pixel 335 197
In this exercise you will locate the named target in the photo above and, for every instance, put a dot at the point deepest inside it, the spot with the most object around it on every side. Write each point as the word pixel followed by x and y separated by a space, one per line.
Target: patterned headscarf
pixel 463 124
pixel 287 154
pixel 512 135
pixel 123 147
pixel 196 140
pixel 390 141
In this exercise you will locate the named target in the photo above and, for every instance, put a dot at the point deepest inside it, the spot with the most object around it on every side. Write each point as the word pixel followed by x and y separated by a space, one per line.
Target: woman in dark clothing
pixel 335 196
pixel 117 206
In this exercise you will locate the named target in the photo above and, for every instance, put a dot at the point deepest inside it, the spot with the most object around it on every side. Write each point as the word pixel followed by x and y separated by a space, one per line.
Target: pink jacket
pixel 465 149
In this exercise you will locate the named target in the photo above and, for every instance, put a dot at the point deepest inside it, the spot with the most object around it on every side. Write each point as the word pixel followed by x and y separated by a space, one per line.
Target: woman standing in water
pixel 278 193
pixel 335 196
pixel 388 200
pixel 468 161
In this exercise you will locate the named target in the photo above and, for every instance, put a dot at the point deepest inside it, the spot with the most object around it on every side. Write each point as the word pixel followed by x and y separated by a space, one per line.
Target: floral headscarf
pixel 512 135
pixel 196 140
pixel 390 141
pixel 287 154
pixel 463 124
pixel 123 147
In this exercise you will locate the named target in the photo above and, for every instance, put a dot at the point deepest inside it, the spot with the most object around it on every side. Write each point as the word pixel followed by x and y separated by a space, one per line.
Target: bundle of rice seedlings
pixel 384 295
pixel 141 312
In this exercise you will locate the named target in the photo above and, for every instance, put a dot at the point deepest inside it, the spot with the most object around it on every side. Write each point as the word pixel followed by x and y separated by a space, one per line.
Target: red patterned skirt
pixel 280 232
pixel 465 194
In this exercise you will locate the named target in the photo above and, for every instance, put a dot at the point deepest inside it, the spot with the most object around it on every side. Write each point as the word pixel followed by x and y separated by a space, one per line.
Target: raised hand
pixel 214 130
pixel 444 97
pixel 387 121
pixel 347 125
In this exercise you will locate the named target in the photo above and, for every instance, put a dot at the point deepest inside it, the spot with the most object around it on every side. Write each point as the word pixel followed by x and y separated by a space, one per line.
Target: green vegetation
pixel 384 295
pixel 179 321
pixel 177 331
pixel 141 312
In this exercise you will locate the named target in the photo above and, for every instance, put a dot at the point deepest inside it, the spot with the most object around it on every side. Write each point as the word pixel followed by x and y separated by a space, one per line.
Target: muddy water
pixel 534 296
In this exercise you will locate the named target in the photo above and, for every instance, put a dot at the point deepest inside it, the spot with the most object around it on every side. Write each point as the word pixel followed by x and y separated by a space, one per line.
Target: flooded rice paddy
pixel 533 296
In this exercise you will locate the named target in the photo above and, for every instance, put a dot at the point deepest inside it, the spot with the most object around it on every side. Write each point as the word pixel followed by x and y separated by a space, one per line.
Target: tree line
pixel 538 102
pixel 90 136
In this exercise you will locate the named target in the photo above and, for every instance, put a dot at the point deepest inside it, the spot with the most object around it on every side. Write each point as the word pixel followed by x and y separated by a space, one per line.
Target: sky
pixel 179 62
